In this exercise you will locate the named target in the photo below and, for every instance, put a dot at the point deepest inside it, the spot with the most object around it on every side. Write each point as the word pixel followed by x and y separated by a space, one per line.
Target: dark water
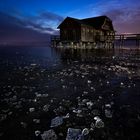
pixel 40 83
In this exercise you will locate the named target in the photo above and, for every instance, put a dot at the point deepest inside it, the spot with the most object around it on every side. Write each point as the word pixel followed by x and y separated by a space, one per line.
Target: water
pixel 26 55
pixel 40 83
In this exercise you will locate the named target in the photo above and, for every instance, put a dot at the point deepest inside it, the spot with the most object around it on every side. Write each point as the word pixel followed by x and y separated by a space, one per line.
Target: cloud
pixel 51 16
pixel 125 14
pixel 20 28
pixel 44 22
pixel 125 20
pixel 14 30
pixel 115 14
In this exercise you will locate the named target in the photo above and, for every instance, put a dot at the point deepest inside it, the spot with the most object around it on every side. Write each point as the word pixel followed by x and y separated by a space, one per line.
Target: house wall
pixel 89 34
pixel 70 31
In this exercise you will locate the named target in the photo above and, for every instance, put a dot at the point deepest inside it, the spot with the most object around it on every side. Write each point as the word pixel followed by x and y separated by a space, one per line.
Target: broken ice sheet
pixel 56 121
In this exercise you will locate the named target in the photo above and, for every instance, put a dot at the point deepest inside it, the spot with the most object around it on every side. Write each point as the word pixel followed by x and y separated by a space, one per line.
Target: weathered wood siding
pixel 70 31
pixel 89 34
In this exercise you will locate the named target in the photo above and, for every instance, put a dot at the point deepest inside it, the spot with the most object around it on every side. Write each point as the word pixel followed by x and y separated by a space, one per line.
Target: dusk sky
pixel 35 19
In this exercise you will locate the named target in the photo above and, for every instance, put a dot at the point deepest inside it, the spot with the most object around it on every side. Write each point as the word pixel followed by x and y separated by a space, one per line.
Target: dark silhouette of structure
pixel 85 33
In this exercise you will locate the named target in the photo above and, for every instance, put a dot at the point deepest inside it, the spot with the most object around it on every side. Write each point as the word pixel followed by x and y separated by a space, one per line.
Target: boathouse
pixel 86 33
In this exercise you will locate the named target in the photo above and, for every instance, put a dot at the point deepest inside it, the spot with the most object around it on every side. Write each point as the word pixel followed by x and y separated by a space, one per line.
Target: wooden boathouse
pixel 85 33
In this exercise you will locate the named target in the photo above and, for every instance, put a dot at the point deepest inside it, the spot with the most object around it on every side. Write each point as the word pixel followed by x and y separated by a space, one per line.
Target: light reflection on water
pixel 46 56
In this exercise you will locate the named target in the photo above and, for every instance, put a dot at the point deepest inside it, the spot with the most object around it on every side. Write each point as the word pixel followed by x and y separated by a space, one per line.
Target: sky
pixel 36 20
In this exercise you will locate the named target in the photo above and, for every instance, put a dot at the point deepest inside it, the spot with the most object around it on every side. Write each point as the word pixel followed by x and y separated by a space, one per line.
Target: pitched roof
pixel 95 22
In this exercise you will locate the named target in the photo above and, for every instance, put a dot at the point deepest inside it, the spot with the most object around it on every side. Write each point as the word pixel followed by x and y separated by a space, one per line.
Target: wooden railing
pixel 121 38
pixel 55 38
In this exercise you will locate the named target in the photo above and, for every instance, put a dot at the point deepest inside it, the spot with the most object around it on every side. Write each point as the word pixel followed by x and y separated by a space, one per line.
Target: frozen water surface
pixel 88 94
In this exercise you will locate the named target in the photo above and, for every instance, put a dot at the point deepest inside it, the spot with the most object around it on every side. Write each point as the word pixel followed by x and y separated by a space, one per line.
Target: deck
pixel 104 42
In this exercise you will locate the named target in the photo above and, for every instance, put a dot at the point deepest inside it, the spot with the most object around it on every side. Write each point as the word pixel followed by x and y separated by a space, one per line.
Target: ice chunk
pixel 56 121
pixel 96 118
pixel 92 125
pixel 23 124
pixel 33 64
pixel 67 116
pixel 85 92
pixel 108 105
pixel 122 84
pixel 89 81
pixel 113 57
pixel 37 132
pixel 73 134
pixel 36 120
pixel 3 117
pixel 46 108
pixel 85 131
pixel 107 82
pixel 108 113
pixel 85 100
pixel 89 104
pixel 32 109
pixel 77 111
pixel 49 135
pixel 99 123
